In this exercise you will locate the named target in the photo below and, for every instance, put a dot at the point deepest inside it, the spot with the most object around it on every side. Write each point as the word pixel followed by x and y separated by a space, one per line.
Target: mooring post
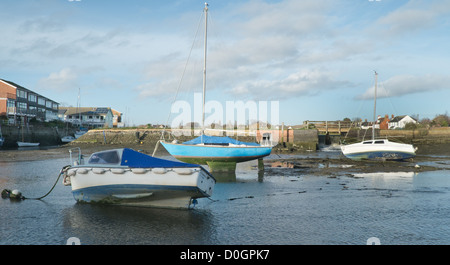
pixel 260 164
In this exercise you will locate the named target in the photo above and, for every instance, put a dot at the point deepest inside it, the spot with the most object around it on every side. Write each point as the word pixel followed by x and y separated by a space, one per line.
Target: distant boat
pixel 378 149
pixel 23 143
pixel 210 149
pixel 67 139
pixel 80 132
pixel 27 144
pixel 127 177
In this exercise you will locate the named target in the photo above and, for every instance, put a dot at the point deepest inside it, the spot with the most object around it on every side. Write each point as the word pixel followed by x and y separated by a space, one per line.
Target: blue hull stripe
pixel 381 155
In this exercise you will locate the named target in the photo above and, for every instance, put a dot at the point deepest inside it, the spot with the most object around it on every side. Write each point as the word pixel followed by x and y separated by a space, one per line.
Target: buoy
pixel 16 195
pixel 6 193
pixel 12 195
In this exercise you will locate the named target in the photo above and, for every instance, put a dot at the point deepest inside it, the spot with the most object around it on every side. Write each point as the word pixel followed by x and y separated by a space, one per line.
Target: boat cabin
pixel 375 142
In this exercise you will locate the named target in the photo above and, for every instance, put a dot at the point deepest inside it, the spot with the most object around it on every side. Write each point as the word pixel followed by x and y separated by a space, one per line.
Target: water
pixel 282 206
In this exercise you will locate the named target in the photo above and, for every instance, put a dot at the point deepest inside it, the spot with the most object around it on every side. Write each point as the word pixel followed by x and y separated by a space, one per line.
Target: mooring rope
pixel 64 169
pixel 7 193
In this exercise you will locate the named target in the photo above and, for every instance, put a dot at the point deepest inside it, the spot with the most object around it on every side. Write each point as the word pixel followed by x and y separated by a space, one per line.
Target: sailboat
pixel 26 144
pixel 378 149
pixel 215 151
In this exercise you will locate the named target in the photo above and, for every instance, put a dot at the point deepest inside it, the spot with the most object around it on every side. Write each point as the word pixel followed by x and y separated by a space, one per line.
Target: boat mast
pixel 204 68
pixel 374 107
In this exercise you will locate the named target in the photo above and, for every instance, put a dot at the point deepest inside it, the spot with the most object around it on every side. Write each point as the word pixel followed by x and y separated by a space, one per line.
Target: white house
pixel 87 116
pixel 399 122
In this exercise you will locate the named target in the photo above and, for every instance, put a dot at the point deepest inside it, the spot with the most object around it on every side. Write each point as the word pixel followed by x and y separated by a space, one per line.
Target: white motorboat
pixel 127 177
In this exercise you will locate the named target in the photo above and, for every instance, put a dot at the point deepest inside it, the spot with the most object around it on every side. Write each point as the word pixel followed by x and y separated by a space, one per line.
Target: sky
pixel 314 58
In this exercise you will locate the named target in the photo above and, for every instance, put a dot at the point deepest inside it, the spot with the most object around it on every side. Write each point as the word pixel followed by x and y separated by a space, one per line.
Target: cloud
pixel 402 85
pixel 65 79
pixel 261 51
pixel 301 83
pixel 414 16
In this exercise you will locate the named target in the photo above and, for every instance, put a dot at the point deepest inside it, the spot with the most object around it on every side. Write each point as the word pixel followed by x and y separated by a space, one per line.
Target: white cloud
pixel 414 16
pixel 301 83
pixel 408 84
pixel 65 79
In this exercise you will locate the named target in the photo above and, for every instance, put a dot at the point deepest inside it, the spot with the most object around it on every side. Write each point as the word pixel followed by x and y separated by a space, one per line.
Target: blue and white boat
pixel 205 149
pixel 215 149
pixel 127 177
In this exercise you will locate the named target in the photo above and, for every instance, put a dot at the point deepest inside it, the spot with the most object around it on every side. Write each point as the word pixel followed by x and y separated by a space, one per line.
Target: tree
pixel 442 120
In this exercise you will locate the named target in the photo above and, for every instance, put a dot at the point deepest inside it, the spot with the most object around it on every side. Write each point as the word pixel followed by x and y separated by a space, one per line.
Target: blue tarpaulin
pixel 135 159
pixel 217 140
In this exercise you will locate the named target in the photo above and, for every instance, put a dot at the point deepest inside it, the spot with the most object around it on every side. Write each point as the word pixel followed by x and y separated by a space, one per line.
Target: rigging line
pixel 182 76
pixel 388 96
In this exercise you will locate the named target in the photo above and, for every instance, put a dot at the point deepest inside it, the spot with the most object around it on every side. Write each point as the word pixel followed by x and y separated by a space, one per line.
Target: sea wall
pixel 144 137
pixel 46 136
pixel 294 140
pixel 289 140
pixel 420 136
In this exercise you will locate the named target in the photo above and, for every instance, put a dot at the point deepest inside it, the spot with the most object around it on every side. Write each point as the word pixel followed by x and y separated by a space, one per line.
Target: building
pixel 19 104
pixel 399 122
pixel 384 122
pixel 92 117
pixel 117 119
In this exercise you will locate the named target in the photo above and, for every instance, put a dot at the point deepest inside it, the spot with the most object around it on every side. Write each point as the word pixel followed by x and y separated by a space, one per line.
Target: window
pixel 367 142
pixel 41 101
pixel 32 97
pixel 108 157
pixel 379 142
pixel 21 94
pixel 22 107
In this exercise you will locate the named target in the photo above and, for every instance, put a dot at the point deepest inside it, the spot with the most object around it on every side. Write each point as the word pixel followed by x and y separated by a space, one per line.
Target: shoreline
pixel 311 165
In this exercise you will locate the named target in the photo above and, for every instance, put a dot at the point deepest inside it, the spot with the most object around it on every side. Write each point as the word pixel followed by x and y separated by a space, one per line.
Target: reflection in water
pixel 385 175
pixel 105 224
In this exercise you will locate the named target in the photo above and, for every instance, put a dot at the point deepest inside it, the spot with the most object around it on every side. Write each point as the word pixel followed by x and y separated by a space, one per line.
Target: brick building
pixel 19 104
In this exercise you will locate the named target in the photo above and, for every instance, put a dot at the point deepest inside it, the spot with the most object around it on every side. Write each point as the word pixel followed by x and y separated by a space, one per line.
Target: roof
pixel 399 118
pixel 85 110
pixel 26 89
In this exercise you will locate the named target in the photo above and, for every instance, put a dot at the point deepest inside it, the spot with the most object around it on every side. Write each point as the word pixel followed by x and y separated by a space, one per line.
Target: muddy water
pixel 280 206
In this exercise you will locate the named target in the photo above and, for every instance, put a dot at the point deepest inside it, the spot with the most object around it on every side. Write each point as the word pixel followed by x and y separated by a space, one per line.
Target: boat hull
pixel 378 150
pixel 67 139
pixel 143 187
pixel 202 154
pixel 27 144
